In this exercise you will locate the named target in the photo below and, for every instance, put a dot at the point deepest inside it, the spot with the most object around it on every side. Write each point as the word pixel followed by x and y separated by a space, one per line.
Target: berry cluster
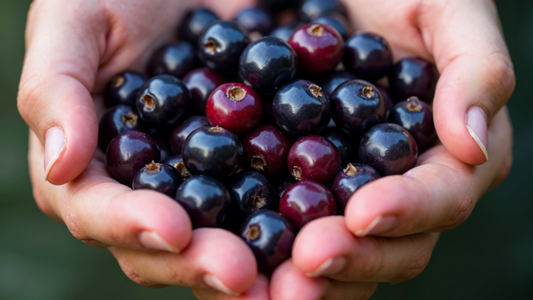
pixel 261 129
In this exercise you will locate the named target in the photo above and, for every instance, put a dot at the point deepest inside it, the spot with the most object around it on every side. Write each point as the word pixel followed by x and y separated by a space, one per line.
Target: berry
pixel 301 108
pixel 284 32
pixel 368 56
pixel 258 22
pixel 346 144
pixel 388 148
pixel 164 100
pixel 213 151
pixel 357 106
pixel 306 201
pixel 318 47
pixel 220 46
pixel 116 120
pixel 177 59
pixel 266 149
pixel 123 88
pixel 129 152
pixel 250 192
pixel 284 183
pixel 181 132
pixel 336 21
pixel 417 117
pixel 333 80
pixel 235 107
pixel 413 77
pixel 162 137
pixel 350 180
pixel 158 177
pixel 312 9
pixel 270 236
pixel 314 158
pixel 265 74
pixel 201 83
pixel 176 161
pixel 194 23
pixel 387 97
pixel 206 200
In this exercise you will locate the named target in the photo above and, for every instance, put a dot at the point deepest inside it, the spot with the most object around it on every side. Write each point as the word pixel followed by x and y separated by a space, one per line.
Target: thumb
pixel 62 57
pixel 477 76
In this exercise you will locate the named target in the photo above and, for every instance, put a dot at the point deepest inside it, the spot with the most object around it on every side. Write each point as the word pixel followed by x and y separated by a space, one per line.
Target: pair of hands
pixel 390 226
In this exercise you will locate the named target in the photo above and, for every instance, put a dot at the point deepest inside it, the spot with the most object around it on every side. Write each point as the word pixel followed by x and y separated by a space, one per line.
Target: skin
pixel 62 86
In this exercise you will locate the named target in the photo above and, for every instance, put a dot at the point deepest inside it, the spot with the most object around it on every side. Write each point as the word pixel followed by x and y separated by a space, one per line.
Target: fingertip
pixel 288 282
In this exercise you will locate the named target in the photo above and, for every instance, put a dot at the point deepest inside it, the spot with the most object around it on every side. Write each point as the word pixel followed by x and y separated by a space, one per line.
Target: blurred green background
pixel 489 257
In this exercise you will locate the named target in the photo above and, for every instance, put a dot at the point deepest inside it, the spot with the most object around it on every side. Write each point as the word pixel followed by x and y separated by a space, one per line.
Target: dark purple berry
pixel 257 21
pixel 201 83
pixel 387 96
pixel 350 180
pixel 333 80
pixel 176 161
pixel 306 201
pixel 301 108
pixel 314 158
pixel 123 88
pixel 182 131
pixel 212 151
pixel 220 46
pixel 345 143
pixel 357 106
pixel 368 56
pixel 116 120
pixel 270 236
pixel 129 152
pixel 176 59
pixel 388 148
pixel 336 21
pixel 284 183
pixel 194 23
pixel 158 177
pixel 413 77
pixel 163 101
pixel 206 200
pixel 265 74
pixel 312 9
pixel 417 117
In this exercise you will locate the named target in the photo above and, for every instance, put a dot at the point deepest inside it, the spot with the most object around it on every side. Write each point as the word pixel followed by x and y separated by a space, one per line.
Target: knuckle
pixel 415 267
pixel 501 70
pixel 72 222
pixel 134 276
pixel 370 290
pixel 30 92
pixel 460 212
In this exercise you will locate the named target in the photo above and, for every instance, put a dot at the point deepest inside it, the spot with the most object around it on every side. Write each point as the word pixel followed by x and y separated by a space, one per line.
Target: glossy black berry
pixel 250 192
pixel 270 236
pixel 284 32
pixel 268 64
pixel 417 117
pixel 176 161
pixel 220 46
pixel 182 131
pixel 162 136
pixel 116 120
pixel 413 77
pixel 201 83
pixel 206 200
pixel 257 21
pixel 158 177
pixel 212 151
pixel 357 106
pixel 350 180
pixel 123 88
pixel 164 101
pixel 333 80
pixel 301 108
pixel 312 9
pixel 388 148
pixel 177 59
pixel 336 21
pixel 129 152
pixel 194 23
pixel 345 143
pixel 368 56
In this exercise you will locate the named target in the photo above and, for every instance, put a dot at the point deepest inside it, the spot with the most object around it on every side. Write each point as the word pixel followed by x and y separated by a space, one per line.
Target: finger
pixel 289 283
pixel 61 61
pixel 215 259
pixel 438 194
pixel 258 291
pixel 100 212
pixel 325 247
pixel 477 76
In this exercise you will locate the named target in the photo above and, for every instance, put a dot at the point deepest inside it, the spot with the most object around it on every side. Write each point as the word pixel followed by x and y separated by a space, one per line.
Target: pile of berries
pixel 259 129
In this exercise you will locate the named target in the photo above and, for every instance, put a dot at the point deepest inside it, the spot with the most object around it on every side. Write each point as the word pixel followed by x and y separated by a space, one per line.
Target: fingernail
pixel 331 266
pixel 476 123
pixel 215 283
pixel 379 225
pixel 54 145
pixel 152 240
